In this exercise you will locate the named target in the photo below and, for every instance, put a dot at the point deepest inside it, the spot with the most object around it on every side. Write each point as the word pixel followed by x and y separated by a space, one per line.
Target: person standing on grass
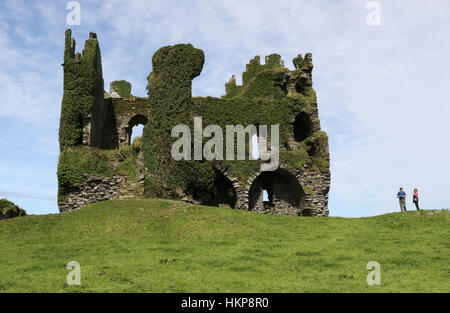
pixel 416 198
pixel 401 195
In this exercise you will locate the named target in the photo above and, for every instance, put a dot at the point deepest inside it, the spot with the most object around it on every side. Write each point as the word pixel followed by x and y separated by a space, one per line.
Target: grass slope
pixel 168 246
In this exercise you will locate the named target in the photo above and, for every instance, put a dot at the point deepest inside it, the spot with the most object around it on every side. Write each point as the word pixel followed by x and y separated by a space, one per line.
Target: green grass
pixel 169 246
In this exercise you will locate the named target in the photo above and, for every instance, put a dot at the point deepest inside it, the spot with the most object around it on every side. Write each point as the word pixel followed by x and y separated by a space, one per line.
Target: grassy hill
pixel 168 246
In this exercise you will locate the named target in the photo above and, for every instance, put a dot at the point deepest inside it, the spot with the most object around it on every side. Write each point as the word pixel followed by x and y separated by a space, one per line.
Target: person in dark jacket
pixel 401 195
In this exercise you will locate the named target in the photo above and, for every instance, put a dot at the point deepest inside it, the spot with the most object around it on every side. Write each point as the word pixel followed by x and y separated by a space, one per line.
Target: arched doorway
pixel 224 193
pixel 278 191
pixel 135 127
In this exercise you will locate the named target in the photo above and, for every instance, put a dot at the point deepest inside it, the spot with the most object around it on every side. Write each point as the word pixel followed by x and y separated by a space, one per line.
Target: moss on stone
pixel 134 104
pixel 137 144
pixel 74 162
pixel 122 87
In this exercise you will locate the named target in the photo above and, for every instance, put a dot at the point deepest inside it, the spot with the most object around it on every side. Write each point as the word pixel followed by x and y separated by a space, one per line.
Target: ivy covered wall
pixel 83 94
pixel 270 95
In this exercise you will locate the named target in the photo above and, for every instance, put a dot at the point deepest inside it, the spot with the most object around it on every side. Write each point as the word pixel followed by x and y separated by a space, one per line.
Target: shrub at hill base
pixel 10 210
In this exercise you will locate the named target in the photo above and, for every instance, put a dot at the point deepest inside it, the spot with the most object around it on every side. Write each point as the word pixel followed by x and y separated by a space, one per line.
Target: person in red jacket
pixel 416 198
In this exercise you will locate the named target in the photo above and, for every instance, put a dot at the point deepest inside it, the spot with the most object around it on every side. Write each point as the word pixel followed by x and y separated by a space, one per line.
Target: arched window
pixel 135 127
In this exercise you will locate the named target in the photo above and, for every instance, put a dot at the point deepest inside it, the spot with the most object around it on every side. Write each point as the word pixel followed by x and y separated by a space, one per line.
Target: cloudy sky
pixel 383 90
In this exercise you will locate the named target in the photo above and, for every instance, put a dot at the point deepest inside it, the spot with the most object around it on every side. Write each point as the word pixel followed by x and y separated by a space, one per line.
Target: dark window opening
pixel 300 85
pixel 312 149
pixel 302 127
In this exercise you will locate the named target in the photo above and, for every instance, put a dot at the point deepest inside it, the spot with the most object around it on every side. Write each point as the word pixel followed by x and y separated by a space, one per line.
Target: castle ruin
pixel 98 160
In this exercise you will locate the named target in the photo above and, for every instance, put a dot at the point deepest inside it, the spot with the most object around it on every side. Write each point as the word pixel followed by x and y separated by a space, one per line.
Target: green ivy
pixel 123 88
pixel 261 100
pixel 170 96
pixel 81 88
pixel 76 161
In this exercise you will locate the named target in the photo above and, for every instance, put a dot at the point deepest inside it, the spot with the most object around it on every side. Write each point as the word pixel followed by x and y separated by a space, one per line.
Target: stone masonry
pixel 95 189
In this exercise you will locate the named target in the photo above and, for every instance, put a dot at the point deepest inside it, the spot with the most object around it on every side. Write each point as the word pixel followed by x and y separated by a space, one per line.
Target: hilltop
pixel 169 246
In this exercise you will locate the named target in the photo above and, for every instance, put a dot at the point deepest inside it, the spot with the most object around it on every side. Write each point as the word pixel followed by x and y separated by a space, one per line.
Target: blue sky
pixel 383 91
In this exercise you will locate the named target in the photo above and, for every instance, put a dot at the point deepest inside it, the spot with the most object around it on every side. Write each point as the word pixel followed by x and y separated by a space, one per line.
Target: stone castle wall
pixel 95 189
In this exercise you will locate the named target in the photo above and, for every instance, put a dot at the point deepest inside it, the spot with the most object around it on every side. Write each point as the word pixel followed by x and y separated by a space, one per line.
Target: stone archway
pixel 138 119
pixel 284 193
pixel 226 189
pixel 224 192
